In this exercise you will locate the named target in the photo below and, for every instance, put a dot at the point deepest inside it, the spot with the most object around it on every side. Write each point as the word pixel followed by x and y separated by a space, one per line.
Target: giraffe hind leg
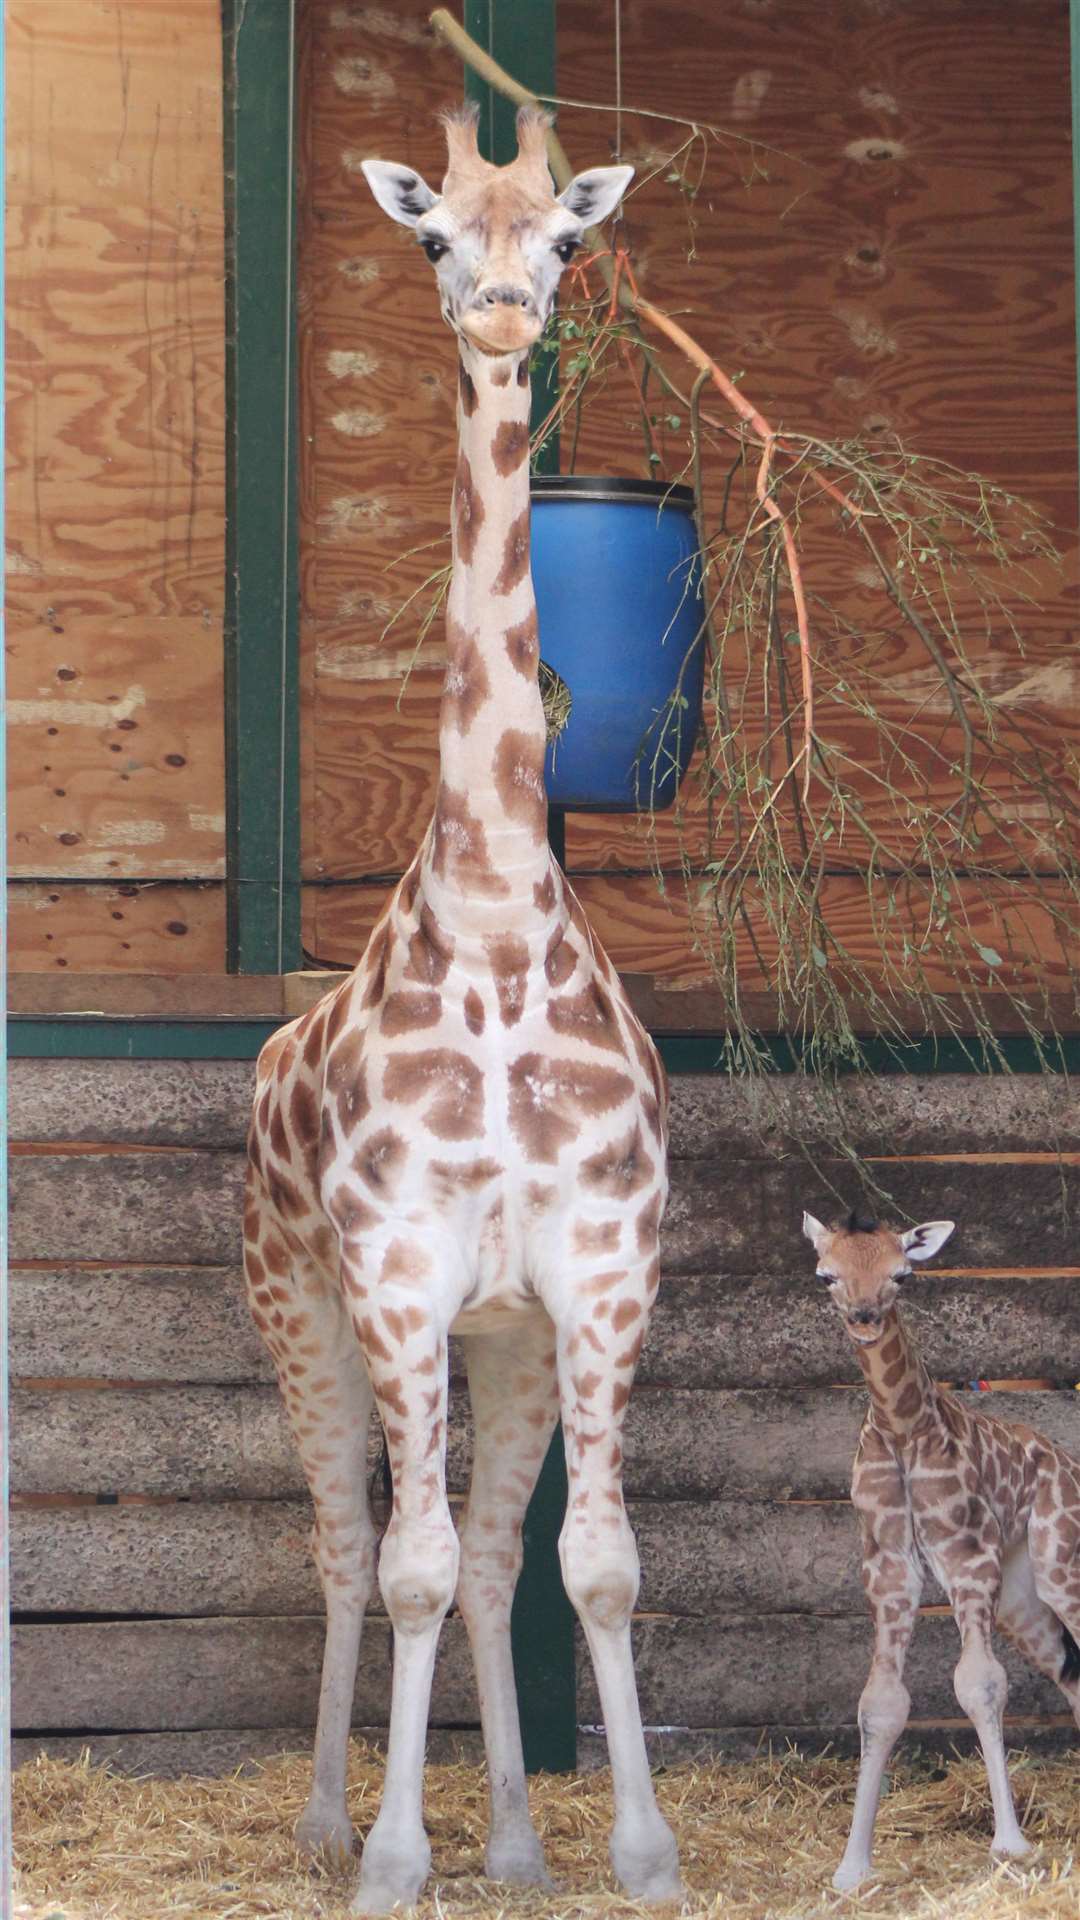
pixel 328 1399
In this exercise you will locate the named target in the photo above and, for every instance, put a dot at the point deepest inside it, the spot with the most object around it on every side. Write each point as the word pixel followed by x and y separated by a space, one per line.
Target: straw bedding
pixel 757 1840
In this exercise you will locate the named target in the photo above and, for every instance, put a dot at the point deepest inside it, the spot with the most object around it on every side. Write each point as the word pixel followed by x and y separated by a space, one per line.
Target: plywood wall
pixel 889 251
pixel 115 503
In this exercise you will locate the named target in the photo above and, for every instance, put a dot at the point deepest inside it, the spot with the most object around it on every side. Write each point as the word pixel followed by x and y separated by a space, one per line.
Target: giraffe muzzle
pixel 501 325
pixel 865 1326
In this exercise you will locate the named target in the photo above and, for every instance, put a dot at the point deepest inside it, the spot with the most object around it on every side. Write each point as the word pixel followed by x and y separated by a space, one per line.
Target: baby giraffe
pixel 990 1509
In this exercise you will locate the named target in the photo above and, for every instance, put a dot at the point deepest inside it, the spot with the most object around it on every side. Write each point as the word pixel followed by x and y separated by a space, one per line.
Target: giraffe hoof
pixel 1013 1845
pixel 517 1860
pixel 330 1835
pixel 391 1875
pixel 651 1874
pixel 850 1874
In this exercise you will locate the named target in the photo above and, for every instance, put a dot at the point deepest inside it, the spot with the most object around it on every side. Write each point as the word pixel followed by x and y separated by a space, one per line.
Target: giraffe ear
pixel 921 1243
pixel 814 1231
pixel 591 196
pixel 399 191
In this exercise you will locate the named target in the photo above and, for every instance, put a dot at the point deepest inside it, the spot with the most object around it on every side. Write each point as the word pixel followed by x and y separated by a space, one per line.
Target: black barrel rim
pixel 591 486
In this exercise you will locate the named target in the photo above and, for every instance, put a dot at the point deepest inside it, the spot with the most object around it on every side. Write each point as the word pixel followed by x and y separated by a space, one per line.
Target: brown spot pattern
pixel 461 849
pixel 510 445
pixel 562 958
pixel 430 951
pixel 550 1098
pixel 346 1081
pixel 588 1016
pixel 467 390
pixel 509 957
pixel 375 964
pixel 515 560
pixel 350 1213
pixel 466 686
pixel 464 1175
pixel 405 1012
pixel 648 1223
pixel 449 1081
pixel 379 1160
pixel 474 1011
pixel 601 1236
pixel 621 1168
pixel 468 510
pixel 518 773
pixel 544 893
pixel 523 647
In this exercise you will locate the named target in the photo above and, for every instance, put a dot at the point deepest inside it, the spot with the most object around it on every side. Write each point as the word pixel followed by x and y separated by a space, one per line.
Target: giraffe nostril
pixel 505 296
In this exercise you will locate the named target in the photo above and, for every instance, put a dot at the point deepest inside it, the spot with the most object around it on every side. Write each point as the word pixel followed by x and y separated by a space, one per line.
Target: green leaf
pixel 821 958
pixel 990 955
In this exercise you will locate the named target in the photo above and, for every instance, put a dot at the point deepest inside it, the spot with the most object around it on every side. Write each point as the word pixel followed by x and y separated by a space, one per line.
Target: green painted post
pixel 262 612
pixel 520 35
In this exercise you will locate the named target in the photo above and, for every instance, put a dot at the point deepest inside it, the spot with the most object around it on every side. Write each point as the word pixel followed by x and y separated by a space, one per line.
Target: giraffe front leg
pixel 403 1340
pixel 893 1585
pixel 601 1323
pixel 514 1394
pixel 979 1680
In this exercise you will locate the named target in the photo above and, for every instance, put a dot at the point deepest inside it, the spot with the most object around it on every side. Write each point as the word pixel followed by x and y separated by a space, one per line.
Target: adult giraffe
pixel 469 1135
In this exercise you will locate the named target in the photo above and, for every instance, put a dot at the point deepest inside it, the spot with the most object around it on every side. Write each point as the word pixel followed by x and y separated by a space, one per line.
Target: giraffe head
pixel 498 237
pixel 863 1264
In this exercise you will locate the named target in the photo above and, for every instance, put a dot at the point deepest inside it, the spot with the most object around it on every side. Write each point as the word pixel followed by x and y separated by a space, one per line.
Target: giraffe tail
pixel 1070 1667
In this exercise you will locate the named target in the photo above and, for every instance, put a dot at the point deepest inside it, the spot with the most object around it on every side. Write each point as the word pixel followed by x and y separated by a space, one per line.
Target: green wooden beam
pixel 262 611
pixel 520 35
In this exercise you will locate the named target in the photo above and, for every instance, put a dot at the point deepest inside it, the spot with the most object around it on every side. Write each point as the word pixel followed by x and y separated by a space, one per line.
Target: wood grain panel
pixel 115 105
pixel 116 748
pixel 116 485
pixel 638 927
pixel 340 921
pixel 919 281
pixel 888 260
pixel 155 927
pixel 377 770
pixel 644 929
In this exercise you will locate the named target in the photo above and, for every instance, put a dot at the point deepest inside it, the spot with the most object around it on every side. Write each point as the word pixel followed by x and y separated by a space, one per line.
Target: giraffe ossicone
pixel 469 1135
pixel 989 1508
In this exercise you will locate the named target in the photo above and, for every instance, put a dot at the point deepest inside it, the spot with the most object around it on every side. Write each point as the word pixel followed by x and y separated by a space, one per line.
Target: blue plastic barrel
pixel 618 592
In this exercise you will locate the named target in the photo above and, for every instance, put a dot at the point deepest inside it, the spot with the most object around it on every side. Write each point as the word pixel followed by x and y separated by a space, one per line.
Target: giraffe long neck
pixel 488 852
pixel 902 1393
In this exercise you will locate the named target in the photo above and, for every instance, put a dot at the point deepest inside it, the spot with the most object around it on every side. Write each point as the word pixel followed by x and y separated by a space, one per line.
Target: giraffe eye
pixel 566 250
pixel 434 248
pixel 827 1277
